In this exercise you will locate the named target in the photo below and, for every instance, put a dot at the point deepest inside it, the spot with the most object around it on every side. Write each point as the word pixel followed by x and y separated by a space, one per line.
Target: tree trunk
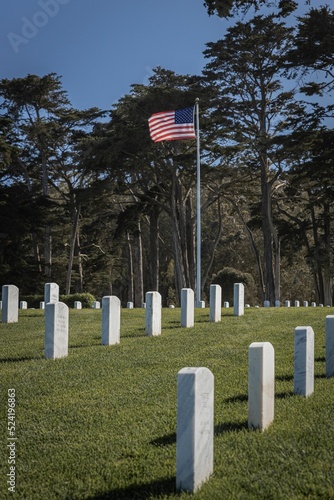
pixel 130 266
pixel 72 248
pixel 181 221
pixel 191 243
pixel 48 237
pixel 278 269
pixel 48 251
pixel 215 244
pixel 268 233
pixel 254 247
pixel 79 284
pixel 138 266
pixel 180 278
pixel 37 254
pixel 154 249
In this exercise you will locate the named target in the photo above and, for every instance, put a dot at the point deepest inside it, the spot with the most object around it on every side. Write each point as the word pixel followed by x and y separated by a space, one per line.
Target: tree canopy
pixel 99 207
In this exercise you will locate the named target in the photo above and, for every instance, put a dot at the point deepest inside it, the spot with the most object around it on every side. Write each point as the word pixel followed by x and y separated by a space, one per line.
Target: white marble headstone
pixel 304 360
pixel 23 304
pixel 195 428
pixel 215 303
pixel 226 304
pixel 297 303
pixel 266 303
pixel 97 304
pixel 56 330
pixel 329 346
pixel 287 303
pixel 129 305
pixel 187 307
pixel 111 320
pixel 238 299
pixel 261 385
pixel 153 313
pixel 51 292
pixel 10 304
pixel 77 304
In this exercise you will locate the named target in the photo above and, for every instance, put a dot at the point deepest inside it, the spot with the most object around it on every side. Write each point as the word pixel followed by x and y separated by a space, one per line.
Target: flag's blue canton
pixel 184 115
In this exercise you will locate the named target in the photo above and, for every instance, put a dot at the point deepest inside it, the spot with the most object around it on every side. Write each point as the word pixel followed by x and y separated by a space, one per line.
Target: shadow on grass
pixel 135 335
pixel 82 346
pixel 320 360
pixel 284 395
pixel 230 427
pixel 220 428
pixel 165 440
pixel 284 378
pixel 140 491
pixel 22 359
pixel 240 398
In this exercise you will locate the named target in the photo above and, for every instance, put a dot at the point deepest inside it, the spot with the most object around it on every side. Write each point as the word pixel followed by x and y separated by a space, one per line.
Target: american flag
pixel 172 125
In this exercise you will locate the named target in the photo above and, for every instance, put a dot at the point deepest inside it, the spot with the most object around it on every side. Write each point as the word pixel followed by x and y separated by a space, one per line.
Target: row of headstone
pixel 10 301
pixel 287 303
pixel 56 331
pixel 195 401
pixel 51 294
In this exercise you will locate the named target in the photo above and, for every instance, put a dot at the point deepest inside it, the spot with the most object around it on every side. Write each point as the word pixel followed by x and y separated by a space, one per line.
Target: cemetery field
pixel 101 423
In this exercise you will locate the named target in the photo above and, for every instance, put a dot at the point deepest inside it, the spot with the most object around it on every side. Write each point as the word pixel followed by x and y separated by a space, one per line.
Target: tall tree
pixel 47 130
pixel 251 111
pixel 160 176
pixel 33 103
pixel 306 210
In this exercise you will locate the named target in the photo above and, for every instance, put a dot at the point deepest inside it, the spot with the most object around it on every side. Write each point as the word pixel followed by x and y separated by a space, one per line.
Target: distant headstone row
pixel 10 303
pixel 287 303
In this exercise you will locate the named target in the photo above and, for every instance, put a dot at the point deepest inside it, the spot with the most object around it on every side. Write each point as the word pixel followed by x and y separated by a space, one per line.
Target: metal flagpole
pixel 198 277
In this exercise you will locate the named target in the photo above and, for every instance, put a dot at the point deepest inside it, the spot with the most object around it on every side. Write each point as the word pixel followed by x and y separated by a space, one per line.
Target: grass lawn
pixel 101 423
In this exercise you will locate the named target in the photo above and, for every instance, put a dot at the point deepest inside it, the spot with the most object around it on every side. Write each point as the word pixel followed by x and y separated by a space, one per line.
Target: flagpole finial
pixel 197 100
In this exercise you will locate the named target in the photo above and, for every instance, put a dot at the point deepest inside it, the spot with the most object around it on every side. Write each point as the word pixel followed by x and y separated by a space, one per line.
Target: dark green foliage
pixel 86 299
pixel 227 8
pixel 226 279
pixel 314 48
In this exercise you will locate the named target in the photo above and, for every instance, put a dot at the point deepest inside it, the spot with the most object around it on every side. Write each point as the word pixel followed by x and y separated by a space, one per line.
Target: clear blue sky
pixel 101 47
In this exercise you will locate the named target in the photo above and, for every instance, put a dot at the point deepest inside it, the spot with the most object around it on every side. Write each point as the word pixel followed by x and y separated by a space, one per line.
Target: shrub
pixel 226 279
pixel 86 299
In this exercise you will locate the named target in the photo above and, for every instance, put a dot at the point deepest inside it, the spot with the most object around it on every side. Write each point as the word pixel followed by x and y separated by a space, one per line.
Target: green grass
pixel 101 423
